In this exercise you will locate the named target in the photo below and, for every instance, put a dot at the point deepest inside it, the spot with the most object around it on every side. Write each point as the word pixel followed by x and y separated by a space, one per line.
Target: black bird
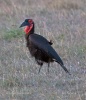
pixel 40 47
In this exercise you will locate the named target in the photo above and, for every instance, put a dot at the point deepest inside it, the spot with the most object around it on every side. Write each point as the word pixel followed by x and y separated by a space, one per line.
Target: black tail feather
pixel 65 69
pixel 62 65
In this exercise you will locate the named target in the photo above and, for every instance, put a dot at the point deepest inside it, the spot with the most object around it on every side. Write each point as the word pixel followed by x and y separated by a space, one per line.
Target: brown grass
pixel 64 22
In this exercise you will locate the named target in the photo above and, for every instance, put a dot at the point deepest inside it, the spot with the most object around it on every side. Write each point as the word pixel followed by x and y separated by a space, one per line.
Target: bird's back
pixel 43 44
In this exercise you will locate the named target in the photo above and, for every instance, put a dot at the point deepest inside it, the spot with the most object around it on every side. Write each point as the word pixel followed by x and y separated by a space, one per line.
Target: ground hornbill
pixel 39 47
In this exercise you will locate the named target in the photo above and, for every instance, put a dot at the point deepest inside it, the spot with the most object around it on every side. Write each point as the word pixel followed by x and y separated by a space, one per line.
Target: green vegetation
pixel 13 33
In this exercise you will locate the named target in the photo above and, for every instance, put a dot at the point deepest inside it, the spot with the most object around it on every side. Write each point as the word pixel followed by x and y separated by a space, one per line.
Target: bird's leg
pixel 39 69
pixel 49 60
pixel 48 67
pixel 39 63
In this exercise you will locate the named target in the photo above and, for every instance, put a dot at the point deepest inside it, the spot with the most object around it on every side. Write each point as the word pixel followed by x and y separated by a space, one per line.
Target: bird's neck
pixel 29 29
pixel 28 33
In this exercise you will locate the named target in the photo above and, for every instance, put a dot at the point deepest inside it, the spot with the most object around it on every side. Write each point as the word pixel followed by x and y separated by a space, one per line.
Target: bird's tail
pixel 66 70
pixel 62 65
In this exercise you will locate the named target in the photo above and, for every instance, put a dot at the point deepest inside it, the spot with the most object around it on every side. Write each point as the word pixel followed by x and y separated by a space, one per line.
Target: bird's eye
pixel 30 21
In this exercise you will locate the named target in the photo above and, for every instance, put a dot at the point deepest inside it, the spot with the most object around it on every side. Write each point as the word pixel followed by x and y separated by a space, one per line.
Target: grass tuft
pixel 11 82
pixel 13 33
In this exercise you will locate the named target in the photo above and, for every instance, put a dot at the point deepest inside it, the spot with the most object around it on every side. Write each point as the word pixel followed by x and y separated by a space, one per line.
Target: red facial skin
pixel 27 29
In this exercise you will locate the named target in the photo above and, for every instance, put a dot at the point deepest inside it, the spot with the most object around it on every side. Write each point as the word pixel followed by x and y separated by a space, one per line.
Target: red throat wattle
pixel 27 29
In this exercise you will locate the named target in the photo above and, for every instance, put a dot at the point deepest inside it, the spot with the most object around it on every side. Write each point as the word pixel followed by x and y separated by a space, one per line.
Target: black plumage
pixel 40 47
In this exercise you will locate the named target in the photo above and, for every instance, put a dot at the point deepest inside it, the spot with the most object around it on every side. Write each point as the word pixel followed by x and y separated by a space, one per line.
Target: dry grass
pixel 64 22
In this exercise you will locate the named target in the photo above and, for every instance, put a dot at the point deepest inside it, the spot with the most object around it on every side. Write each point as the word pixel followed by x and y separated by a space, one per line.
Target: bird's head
pixel 29 26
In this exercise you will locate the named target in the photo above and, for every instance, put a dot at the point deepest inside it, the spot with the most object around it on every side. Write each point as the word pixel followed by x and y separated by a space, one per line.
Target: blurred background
pixel 63 22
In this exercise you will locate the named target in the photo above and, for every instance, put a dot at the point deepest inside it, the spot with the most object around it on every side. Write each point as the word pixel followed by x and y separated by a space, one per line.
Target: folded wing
pixel 43 44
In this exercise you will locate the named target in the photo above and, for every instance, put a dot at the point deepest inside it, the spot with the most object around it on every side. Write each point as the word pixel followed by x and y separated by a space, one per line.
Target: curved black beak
pixel 24 24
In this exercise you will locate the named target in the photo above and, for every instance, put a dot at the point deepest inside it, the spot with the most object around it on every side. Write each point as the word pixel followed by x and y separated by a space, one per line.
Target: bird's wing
pixel 43 44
